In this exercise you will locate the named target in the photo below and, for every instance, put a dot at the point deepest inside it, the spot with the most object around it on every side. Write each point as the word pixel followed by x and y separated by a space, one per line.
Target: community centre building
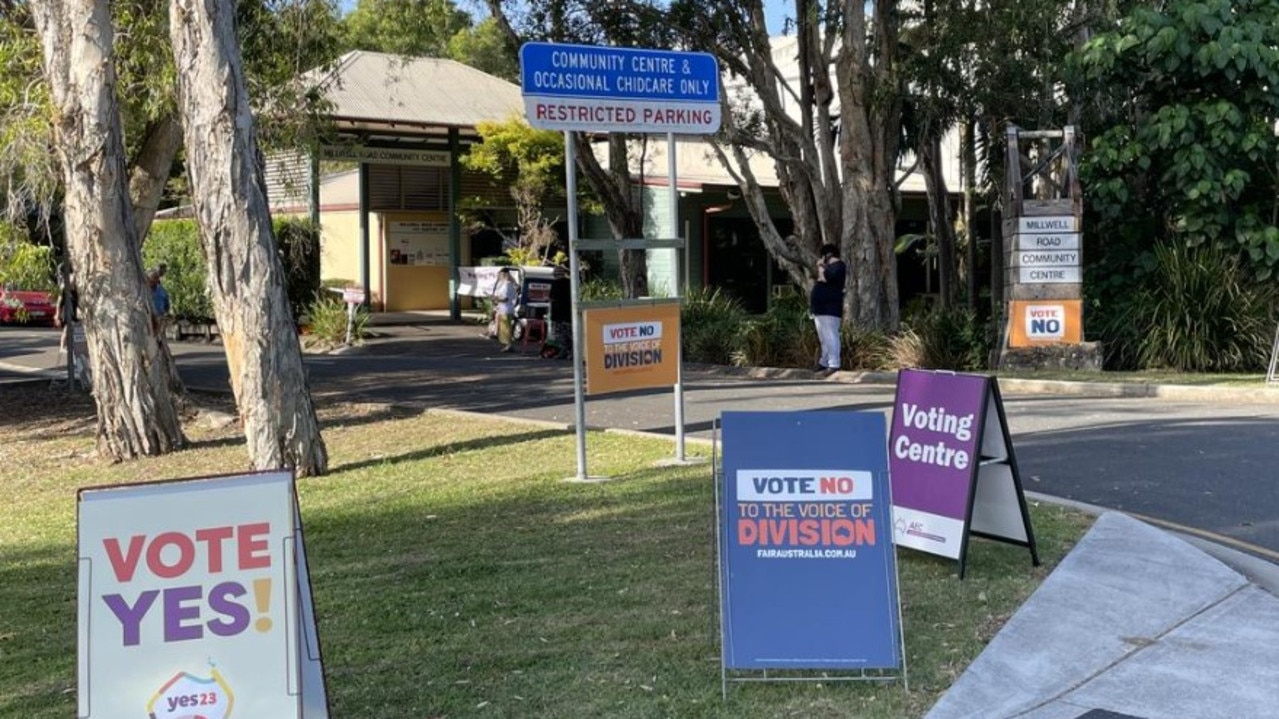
pixel 385 192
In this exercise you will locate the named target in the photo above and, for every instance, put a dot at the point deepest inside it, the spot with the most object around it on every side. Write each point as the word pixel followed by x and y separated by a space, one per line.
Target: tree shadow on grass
pixel 37 409
pixel 472 445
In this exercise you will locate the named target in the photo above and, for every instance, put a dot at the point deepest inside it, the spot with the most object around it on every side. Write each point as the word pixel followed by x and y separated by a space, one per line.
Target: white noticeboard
pixel 418 242
pixel 189 605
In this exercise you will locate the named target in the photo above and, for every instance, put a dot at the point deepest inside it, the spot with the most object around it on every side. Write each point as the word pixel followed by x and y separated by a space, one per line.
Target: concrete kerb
pixel 1261 572
pixel 1266 394
pixel 35 373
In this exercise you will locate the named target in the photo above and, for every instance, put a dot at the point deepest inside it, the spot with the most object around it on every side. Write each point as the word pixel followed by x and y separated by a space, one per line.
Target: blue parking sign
pixel 614 89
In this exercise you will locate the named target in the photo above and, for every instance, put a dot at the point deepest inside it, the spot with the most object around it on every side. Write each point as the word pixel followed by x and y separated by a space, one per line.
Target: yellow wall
pixel 413 287
pixel 406 287
pixel 340 251
pixel 417 288
pixel 340 246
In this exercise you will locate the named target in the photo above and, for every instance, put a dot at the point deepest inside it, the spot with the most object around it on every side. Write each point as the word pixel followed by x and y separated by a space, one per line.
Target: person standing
pixel 561 301
pixel 505 294
pixel 826 304
pixel 159 295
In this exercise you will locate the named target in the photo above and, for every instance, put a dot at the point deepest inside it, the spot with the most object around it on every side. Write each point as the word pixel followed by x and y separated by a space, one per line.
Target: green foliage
pixel 531 163
pixel 600 289
pixel 327 315
pixel 1184 150
pixel 717 330
pixel 299 243
pixel 26 266
pixel 419 28
pixel 784 336
pixel 712 325
pixel 863 349
pixel 1197 310
pixel 280 42
pixel 176 243
pixel 29 172
pixel 484 47
pixel 145 73
pixel 953 339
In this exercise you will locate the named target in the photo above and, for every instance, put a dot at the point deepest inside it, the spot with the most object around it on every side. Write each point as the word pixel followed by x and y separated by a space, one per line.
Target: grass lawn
pixel 457 575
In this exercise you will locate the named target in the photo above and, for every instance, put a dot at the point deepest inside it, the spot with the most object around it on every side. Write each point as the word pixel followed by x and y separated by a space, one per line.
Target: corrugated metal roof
pixel 380 88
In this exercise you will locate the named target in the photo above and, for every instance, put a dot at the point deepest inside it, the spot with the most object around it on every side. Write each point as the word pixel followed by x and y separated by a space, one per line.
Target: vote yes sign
pixel 188 599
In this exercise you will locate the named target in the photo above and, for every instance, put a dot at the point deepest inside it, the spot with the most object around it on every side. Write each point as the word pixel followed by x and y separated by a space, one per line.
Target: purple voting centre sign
pixel 952 466
pixel 931 456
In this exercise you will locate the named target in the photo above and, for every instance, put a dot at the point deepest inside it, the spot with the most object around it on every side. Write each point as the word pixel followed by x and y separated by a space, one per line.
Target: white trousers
pixel 828 333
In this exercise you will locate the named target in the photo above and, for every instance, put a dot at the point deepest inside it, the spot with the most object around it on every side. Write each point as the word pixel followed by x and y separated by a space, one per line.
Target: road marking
pixel 1270 554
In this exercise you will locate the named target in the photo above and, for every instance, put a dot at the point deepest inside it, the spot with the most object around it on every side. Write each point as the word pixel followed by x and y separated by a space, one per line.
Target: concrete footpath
pixel 1135 623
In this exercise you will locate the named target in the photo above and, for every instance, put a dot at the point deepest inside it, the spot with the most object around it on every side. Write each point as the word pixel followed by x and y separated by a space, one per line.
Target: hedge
pixel 176 244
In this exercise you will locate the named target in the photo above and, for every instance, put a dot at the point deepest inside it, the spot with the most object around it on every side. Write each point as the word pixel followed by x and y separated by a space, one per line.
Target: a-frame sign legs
pixel 953 470
pixel 996 484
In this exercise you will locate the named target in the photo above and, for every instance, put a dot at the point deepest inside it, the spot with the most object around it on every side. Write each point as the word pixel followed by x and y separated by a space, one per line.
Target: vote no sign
pixel 807 566
pixel 633 347
pixel 188 599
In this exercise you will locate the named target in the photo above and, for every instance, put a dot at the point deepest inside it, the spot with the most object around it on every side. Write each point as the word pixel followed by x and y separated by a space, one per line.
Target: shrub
pixel 953 339
pixel 176 243
pixel 598 289
pixel 784 336
pixel 862 349
pixel 712 325
pixel 1197 310
pixel 327 314
pixel 26 266
pixel 299 245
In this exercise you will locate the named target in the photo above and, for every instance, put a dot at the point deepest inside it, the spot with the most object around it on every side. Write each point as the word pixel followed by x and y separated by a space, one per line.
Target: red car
pixel 27 306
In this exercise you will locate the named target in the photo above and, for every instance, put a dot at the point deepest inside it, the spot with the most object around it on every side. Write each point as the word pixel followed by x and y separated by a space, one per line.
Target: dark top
pixel 561 300
pixel 827 297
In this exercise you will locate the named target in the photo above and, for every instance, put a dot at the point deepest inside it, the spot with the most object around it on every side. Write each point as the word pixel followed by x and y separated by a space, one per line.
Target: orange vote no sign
pixel 633 347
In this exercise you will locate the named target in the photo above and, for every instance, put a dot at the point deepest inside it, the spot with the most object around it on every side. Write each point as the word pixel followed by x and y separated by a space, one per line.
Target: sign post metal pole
pixel 574 272
pixel 679 295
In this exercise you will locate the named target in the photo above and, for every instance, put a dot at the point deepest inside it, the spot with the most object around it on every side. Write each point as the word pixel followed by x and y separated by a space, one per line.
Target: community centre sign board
pixel 952 466
pixel 194 601
pixel 808 570
pixel 632 347
pixel 613 89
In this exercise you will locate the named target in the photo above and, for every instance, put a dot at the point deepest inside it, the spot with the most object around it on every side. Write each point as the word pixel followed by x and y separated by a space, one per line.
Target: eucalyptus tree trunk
pixel 870 120
pixel 136 412
pixel 151 169
pixel 939 216
pixel 245 273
